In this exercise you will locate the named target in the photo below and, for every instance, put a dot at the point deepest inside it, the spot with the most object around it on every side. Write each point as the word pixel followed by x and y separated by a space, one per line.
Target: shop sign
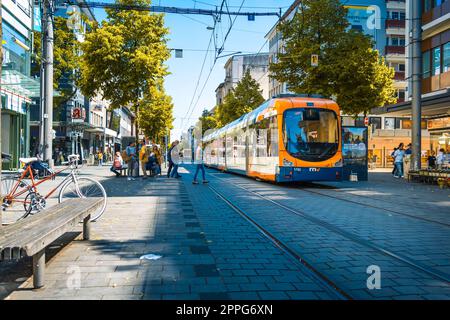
pixel 78 114
pixel 441 123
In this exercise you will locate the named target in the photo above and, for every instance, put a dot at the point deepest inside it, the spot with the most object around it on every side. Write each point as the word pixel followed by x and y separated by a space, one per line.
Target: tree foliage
pixel 123 59
pixel 208 121
pixel 349 68
pixel 241 100
pixel 66 56
pixel 155 114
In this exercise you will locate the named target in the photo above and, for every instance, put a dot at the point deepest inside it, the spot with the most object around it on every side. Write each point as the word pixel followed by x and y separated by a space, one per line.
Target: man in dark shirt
pixel 431 160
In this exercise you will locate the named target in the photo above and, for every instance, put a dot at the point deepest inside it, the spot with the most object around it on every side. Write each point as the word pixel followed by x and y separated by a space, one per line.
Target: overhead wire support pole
pixel 47 60
pixel 416 103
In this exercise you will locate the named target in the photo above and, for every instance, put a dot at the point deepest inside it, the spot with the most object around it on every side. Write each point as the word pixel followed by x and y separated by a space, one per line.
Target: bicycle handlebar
pixel 73 157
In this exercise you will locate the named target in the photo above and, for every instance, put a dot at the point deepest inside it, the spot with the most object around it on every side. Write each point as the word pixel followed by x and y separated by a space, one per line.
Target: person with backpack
pixel 132 159
pixel 117 164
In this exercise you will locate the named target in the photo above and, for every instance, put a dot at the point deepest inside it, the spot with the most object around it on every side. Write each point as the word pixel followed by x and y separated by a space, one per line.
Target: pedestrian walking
pixel 407 160
pixel 132 160
pixel 117 164
pixel 399 154
pixel 393 160
pixel 198 161
pixel 175 156
pixel 100 158
pixel 143 158
pixel 440 159
pixel 170 157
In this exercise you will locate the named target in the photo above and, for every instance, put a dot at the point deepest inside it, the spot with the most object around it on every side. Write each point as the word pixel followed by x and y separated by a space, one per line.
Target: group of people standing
pixel 152 159
pixel 402 160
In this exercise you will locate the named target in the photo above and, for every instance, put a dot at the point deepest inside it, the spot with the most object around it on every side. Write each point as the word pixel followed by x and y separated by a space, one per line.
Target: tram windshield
pixel 311 134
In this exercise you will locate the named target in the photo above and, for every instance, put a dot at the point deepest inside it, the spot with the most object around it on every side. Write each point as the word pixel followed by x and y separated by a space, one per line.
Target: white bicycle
pixel 21 198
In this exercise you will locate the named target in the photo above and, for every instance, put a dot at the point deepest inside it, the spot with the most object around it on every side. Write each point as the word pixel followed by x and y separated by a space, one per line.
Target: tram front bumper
pixel 290 174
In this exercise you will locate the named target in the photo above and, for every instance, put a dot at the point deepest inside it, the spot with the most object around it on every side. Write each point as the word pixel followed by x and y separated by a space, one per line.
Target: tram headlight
pixel 287 163
pixel 277 169
pixel 339 164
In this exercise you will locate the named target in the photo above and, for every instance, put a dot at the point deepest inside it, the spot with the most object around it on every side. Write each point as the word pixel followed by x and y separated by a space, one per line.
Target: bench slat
pixel 29 227
pixel 45 227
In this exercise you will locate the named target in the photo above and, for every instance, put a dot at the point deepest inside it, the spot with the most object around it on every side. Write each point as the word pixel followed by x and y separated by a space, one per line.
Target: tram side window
pixel 272 137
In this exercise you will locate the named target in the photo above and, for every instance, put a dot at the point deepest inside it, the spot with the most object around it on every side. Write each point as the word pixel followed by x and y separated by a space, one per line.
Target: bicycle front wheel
pixel 84 188
pixel 15 204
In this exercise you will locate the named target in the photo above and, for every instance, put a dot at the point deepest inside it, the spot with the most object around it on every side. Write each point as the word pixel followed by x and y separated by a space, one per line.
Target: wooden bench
pixel 29 237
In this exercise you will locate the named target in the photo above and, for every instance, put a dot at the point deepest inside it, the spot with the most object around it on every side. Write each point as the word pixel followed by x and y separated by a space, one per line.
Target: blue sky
pixel 191 34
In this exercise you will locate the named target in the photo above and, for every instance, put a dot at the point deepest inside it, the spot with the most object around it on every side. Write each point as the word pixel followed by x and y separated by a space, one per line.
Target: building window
pixel 389 123
pixel 359 122
pixel 446 57
pixel 401 95
pixel 426 65
pixel 436 67
pixel 375 122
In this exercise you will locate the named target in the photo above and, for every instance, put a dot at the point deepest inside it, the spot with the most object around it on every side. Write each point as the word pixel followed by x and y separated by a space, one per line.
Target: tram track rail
pixel 377 207
pixel 321 278
pixel 311 185
pixel 350 236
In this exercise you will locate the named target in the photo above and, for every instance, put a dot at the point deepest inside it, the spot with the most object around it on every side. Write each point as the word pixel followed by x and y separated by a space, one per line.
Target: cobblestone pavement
pixel 210 252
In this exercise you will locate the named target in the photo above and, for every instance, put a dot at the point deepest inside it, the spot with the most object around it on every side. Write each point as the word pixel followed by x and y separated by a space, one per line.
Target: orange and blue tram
pixel 288 138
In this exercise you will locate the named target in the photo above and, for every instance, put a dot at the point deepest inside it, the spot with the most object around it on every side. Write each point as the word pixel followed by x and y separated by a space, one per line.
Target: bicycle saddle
pixel 28 160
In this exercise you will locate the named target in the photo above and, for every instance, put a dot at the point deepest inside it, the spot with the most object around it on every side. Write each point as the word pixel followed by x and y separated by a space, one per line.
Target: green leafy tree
pixel 156 114
pixel 241 100
pixel 208 121
pixel 363 80
pixel 123 59
pixel 349 68
pixel 66 68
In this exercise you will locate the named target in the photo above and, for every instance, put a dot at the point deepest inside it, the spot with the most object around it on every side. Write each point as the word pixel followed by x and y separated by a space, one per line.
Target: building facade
pixel 382 20
pixel 18 88
pixel 385 22
pixel 235 69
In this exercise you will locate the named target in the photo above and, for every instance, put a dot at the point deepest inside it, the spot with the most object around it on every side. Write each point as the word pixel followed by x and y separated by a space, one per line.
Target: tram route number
pixel 225 309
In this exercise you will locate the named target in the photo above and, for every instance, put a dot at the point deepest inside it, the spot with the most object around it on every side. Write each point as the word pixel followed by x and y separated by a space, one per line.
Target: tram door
pixel 247 153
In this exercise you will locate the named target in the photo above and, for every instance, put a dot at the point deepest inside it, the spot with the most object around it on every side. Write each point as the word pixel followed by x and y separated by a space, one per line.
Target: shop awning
pixel 20 84
pixel 433 106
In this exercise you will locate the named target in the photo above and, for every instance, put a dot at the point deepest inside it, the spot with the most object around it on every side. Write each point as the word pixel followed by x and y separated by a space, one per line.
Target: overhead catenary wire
pixel 199 76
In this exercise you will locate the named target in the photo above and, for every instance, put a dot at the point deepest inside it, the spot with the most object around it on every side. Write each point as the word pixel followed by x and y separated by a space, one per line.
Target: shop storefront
pixel 17 87
pixel 439 129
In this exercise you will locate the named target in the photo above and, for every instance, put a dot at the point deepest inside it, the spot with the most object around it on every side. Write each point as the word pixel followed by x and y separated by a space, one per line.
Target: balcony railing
pixel 395 50
pixel 393 23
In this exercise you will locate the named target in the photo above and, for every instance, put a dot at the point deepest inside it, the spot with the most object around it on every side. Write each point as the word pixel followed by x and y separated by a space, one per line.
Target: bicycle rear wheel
pixel 84 188
pixel 14 206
